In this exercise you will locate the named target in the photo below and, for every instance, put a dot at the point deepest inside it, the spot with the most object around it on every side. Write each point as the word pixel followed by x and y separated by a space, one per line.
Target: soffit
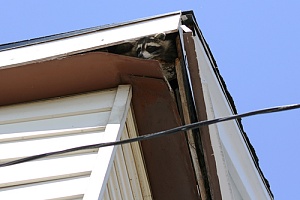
pixel 71 75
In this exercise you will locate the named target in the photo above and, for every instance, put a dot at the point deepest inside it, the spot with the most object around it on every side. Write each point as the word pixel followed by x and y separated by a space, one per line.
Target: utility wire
pixel 157 134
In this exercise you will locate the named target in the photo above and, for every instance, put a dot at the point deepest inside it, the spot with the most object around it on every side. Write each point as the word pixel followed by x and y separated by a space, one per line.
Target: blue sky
pixel 256 46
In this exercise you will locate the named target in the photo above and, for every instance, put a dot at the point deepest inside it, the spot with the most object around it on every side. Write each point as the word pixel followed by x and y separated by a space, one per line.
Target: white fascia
pixel 227 140
pixel 89 41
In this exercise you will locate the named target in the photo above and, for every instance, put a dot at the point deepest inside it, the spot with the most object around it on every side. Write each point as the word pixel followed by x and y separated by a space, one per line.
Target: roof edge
pixel 228 96
pixel 38 40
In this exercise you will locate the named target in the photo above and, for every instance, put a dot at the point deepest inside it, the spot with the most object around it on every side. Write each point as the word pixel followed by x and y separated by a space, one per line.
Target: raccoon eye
pixel 152 49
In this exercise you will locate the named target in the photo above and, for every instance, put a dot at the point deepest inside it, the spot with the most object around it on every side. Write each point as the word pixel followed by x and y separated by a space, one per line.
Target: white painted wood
pixel 229 134
pixel 185 29
pixel 238 188
pixel 236 192
pixel 88 41
pixel 223 171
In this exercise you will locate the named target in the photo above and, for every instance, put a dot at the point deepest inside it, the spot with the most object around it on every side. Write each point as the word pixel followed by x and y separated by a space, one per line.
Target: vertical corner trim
pixel 197 90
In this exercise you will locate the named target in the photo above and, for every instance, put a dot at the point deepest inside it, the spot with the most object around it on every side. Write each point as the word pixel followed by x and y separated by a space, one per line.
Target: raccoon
pixel 153 47
pixel 157 48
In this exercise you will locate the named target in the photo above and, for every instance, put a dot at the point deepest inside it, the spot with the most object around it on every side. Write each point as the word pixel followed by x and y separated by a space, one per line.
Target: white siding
pixel 128 178
pixel 57 124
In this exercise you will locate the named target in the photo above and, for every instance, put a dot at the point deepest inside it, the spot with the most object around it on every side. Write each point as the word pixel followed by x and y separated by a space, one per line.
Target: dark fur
pixel 152 47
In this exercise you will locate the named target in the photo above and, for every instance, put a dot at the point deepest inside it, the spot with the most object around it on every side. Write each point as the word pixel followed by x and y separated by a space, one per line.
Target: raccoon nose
pixel 140 55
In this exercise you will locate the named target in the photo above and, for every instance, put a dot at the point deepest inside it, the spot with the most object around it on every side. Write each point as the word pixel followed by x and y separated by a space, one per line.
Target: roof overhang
pixel 167 159
pixel 46 68
pixel 71 75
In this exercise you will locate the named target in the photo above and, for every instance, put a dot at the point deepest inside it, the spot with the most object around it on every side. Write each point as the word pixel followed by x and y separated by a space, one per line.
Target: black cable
pixel 157 134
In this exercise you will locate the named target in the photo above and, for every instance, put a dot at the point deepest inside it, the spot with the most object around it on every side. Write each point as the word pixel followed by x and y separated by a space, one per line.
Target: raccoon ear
pixel 161 36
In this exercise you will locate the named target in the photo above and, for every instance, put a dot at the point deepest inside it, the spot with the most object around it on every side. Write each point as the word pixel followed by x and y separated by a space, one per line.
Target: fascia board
pixel 228 134
pixel 89 41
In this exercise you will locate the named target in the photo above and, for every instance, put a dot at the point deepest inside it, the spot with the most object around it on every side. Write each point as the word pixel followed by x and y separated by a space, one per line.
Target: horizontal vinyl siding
pixel 64 166
pixel 52 125
pixel 62 123
pixel 35 146
pixel 57 114
pixel 128 178
pixel 68 188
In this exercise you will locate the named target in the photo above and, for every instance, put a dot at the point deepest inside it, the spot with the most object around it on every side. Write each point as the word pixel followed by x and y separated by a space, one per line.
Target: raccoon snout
pixel 140 55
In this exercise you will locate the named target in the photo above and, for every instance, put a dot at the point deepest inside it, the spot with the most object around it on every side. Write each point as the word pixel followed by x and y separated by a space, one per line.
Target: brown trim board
pixel 197 89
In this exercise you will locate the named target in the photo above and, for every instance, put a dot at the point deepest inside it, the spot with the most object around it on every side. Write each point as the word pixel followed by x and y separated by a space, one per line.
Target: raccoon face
pixel 151 47
pixel 148 50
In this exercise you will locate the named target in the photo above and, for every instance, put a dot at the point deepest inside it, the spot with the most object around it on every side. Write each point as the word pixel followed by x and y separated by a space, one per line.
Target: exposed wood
pixel 190 137
pixel 201 113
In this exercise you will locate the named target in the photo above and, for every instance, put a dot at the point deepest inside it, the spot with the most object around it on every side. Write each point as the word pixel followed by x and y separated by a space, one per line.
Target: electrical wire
pixel 157 134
